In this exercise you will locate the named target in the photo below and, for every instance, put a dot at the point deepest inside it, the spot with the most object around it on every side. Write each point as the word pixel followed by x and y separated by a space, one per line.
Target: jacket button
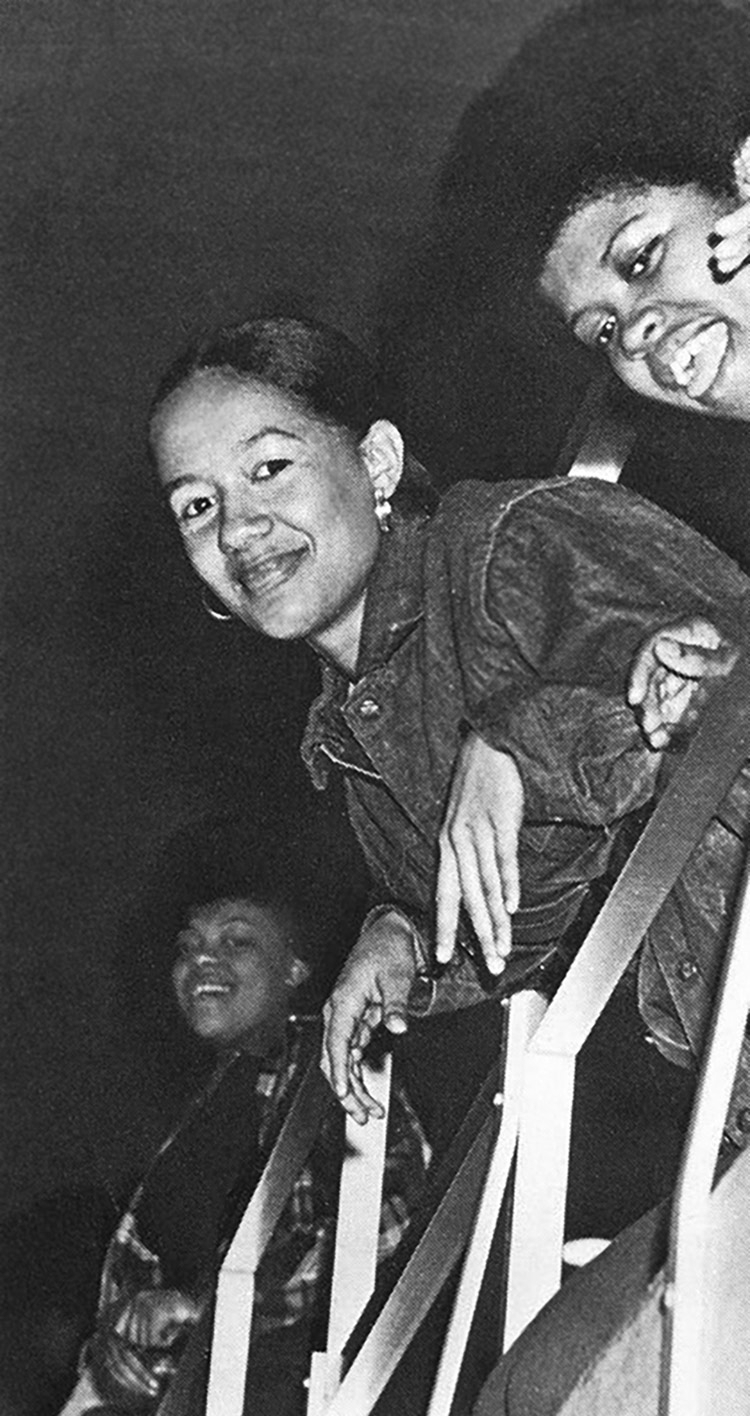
pixel 687 969
pixel 368 708
pixel 743 1119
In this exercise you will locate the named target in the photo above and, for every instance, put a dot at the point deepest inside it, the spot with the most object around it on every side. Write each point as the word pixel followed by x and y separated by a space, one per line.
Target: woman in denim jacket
pixel 475 659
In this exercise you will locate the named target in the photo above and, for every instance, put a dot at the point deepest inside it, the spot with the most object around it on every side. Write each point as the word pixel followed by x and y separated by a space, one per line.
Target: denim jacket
pixel 516 611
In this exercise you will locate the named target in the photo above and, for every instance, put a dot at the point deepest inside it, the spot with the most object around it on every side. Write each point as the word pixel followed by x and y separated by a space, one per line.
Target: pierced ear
pixel 297 973
pixel 382 449
pixel 741 167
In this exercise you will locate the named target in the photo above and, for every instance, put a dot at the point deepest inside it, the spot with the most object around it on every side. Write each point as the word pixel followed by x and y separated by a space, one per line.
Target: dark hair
pixel 310 362
pixel 608 94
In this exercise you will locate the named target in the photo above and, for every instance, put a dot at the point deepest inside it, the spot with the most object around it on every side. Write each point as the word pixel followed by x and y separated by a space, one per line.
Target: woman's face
pixel 233 974
pixel 630 272
pixel 275 508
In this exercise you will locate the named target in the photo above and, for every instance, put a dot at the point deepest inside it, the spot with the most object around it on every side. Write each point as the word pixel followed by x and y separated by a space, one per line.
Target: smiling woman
pixel 604 170
pixel 631 274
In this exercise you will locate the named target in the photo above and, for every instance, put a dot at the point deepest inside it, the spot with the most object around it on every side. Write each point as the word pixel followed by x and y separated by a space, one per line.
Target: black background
pixel 166 165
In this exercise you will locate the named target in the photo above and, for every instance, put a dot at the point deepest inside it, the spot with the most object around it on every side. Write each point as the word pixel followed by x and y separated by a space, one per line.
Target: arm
pixel 571 581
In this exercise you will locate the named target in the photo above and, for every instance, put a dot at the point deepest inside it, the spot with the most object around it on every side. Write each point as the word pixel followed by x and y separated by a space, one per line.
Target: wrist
pixel 422 991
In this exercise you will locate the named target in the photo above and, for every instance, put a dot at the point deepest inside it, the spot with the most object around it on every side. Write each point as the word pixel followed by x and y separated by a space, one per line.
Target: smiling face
pixel 275 508
pixel 234 974
pixel 630 273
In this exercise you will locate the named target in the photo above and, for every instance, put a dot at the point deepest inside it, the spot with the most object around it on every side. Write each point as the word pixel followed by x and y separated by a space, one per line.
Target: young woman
pixel 607 171
pixel 240 984
pixel 474 660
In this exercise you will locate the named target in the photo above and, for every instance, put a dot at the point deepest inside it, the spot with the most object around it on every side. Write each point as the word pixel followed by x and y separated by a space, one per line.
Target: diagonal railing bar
pixel 236 1284
pixel 683 1354
pixel 711 763
pixel 433 1260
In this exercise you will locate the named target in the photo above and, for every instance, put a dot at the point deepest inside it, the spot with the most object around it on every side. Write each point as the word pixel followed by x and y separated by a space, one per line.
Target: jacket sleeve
pixel 568 583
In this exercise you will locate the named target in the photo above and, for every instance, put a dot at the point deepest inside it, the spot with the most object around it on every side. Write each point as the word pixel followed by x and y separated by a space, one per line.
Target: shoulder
pixel 604 517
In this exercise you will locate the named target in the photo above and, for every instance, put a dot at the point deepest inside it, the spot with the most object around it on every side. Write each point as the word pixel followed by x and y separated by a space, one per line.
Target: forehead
pixel 214 409
pixel 579 255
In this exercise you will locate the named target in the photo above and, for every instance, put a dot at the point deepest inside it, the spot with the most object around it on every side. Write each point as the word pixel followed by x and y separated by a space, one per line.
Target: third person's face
pixel 275 507
pixel 631 274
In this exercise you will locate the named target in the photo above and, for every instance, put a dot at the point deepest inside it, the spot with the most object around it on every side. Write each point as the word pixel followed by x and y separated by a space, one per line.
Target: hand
pixel 479 851
pixel 672 675
pixel 156 1317
pixel 372 988
pixel 131 1353
pixel 730 241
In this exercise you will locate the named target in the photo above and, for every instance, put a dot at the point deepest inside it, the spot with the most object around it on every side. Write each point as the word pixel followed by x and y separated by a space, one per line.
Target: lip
pixel 268 572
pixel 206 987
pixel 689 359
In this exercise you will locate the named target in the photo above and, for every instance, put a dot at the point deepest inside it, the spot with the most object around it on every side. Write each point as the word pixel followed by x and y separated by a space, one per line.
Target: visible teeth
pixel 683 366
pixel 210 988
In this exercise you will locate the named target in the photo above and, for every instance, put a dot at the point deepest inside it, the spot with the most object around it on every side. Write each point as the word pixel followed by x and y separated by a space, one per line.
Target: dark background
pixel 168 164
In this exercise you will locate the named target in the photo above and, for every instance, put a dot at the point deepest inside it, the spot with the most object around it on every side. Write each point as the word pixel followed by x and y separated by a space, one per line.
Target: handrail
pixel 711 763
pixel 357 1231
pixel 682 1392
pixel 235 1289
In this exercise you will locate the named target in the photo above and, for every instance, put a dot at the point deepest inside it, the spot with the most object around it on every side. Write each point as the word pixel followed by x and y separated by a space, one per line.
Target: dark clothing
pixel 183 1214
pixel 517 610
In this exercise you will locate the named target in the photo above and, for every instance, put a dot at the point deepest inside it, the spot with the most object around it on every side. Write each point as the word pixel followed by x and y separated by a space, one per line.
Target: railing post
pixel 357 1232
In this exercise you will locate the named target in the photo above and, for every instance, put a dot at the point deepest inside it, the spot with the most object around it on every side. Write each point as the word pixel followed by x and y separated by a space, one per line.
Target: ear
pixel 297 973
pixel 382 451
pixel 741 166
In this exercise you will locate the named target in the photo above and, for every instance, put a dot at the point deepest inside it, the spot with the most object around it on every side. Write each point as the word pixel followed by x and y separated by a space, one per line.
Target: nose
pixel 641 331
pixel 242 524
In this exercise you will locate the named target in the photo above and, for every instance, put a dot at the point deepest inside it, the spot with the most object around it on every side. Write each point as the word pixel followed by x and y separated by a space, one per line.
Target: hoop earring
pixel 383 510
pixel 213 607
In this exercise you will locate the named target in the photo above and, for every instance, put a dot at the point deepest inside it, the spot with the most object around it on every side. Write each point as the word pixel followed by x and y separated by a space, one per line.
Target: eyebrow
pixel 242 445
pixel 614 238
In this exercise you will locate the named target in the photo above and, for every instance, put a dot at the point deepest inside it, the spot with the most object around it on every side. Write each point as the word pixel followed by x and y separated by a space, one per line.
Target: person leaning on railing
pixel 474 660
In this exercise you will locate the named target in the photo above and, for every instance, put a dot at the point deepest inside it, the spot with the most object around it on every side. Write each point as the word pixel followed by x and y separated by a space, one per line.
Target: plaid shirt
pixel 296 1264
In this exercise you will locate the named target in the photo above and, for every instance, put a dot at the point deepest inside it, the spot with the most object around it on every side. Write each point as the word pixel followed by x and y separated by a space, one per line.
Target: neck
pixel 339 642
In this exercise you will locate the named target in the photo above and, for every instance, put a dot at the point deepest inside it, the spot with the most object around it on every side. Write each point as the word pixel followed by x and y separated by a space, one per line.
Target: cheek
pixel 178 981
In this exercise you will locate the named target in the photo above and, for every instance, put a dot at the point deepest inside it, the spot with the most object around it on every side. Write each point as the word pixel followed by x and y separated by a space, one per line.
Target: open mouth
pixel 258 577
pixel 694 365
pixel 208 989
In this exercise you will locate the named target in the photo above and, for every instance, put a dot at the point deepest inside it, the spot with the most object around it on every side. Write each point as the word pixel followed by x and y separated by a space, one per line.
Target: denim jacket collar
pixel 395 592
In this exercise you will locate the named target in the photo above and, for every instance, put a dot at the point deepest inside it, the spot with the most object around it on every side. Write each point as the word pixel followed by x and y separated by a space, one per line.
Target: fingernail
pixel 496 966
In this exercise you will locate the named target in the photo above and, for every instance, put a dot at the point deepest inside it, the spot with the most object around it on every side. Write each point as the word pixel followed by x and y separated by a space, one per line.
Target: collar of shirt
pixel 395 593
pixel 393 609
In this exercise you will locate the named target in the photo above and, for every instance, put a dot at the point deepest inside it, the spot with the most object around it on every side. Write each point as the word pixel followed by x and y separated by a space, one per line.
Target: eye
pixel 645 260
pixel 239 941
pixel 606 332
pixel 196 507
pixel 192 511
pixel 271 468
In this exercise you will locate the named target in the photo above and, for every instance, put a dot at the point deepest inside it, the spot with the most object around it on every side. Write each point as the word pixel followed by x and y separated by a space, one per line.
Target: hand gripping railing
pixel 536 1100
pixel 544 1074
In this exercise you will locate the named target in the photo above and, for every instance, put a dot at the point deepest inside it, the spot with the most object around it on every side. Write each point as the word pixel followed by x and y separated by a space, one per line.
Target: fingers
pixel 373 989
pixel 448 902
pixel 695 662
pixel 341 1017
pixel 666 707
pixel 479 851
pixel 641 674
pixel 730 240
pixel 482 872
